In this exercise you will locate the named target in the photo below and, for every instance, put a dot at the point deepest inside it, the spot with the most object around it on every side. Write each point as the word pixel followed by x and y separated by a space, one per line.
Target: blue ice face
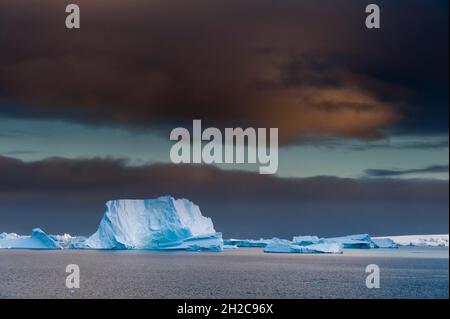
pixel 162 223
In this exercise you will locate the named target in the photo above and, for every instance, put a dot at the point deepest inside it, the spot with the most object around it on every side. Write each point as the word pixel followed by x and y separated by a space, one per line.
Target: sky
pixel 85 115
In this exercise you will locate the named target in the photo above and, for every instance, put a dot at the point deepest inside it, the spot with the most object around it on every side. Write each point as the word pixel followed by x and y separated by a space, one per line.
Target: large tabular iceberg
pixel 37 240
pixel 163 223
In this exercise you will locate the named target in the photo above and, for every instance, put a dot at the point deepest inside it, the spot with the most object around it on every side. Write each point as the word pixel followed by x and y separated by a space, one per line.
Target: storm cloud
pixel 307 67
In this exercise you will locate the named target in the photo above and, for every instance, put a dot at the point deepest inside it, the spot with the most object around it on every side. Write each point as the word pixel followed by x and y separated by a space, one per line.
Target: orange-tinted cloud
pixel 249 63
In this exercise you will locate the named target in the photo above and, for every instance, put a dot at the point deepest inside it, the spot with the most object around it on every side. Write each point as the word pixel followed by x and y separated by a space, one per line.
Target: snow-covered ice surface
pixel 419 240
pixel 163 223
pixel 277 245
pixel 37 240
pixel 247 242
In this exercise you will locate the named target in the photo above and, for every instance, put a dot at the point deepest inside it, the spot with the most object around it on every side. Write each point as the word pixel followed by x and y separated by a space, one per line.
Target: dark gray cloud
pixel 307 67
pixel 95 177
pixel 400 172
pixel 68 195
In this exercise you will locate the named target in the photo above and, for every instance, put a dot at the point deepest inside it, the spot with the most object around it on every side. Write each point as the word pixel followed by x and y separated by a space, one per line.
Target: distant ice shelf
pixel 418 240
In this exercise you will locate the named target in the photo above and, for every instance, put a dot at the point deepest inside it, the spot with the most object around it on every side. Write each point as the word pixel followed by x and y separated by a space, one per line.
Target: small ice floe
pixel 277 245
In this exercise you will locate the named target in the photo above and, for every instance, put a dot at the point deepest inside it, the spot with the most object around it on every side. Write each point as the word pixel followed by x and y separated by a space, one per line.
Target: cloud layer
pixel 64 190
pixel 400 172
pixel 116 179
pixel 307 67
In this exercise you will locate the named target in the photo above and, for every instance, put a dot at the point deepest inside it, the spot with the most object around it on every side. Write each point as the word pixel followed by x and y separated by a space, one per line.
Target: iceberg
pixel 211 243
pixel 360 241
pixel 67 241
pixel 305 240
pixel 324 248
pixel 38 240
pixel 247 242
pixel 163 223
pixel 277 245
pixel 230 247
pixel 384 243
pixel 9 236
pixel 418 240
